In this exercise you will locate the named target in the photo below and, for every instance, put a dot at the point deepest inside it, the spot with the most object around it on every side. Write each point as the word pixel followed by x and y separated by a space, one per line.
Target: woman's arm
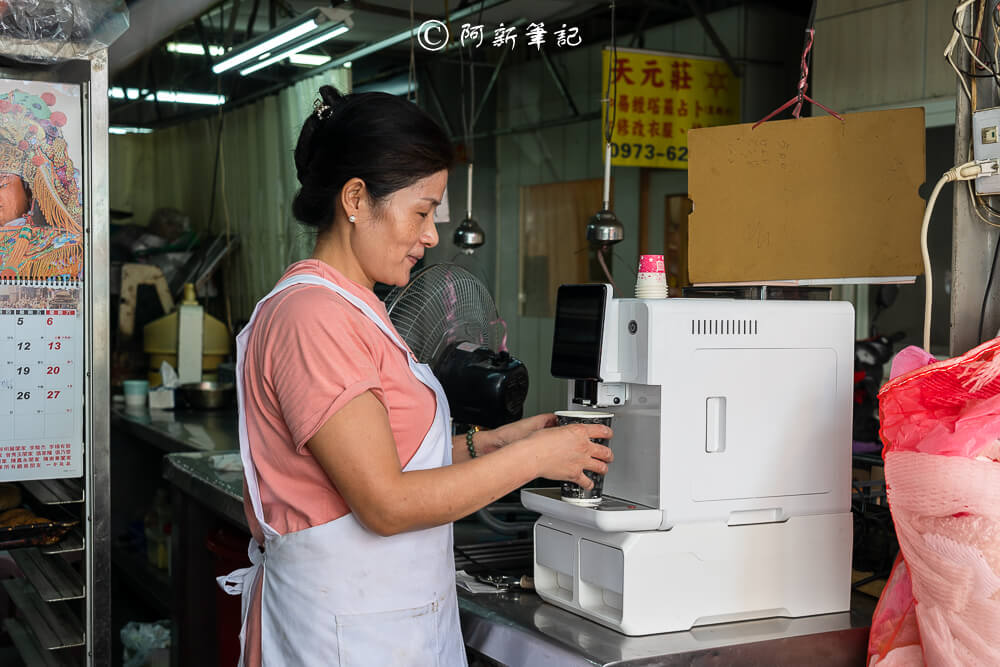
pixel 487 442
pixel 357 450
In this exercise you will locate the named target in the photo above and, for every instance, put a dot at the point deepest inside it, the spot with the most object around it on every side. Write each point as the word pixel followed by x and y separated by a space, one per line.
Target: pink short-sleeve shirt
pixel 310 353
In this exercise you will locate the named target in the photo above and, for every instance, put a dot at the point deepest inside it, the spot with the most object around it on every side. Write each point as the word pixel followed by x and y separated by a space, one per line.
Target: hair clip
pixel 323 111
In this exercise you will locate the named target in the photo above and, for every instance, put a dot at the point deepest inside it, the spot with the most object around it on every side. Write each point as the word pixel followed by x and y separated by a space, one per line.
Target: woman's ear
pixel 352 196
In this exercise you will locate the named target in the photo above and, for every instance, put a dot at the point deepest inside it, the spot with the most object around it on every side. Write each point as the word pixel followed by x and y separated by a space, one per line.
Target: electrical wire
pixel 604 266
pixel 967 171
pixel 611 102
pixel 610 118
pixel 949 49
pixel 411 75
pixel 964 37
pixel 928 278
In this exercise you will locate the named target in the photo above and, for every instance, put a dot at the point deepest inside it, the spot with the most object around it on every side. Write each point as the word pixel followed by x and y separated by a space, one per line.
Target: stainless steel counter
pixel 519 628
pixel 179 430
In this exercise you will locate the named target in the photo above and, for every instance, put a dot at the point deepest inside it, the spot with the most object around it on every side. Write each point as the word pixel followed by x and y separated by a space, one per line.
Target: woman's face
pixel 390 241
pixel 13 198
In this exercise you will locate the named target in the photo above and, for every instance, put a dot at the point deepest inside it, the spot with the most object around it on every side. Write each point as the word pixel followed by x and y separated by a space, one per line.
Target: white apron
pixel 338 594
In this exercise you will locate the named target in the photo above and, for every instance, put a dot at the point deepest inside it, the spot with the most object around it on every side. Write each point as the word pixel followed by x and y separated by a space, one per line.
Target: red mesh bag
pixel 940 424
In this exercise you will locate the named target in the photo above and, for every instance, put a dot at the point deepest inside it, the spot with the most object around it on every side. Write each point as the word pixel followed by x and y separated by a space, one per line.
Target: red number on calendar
pixel 48 321
pixel 55 346
pixel 52 370
pixel 54 393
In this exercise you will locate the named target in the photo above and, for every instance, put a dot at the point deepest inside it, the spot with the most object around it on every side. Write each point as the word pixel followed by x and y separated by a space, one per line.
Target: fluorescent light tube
pixel 190 49
pixel 293 32
pixel 308 59
pixel 123 129
pixel 186 98
pixel 308 44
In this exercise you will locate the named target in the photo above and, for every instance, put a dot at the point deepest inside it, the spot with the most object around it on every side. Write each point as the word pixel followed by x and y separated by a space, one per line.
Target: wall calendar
pixel 41 281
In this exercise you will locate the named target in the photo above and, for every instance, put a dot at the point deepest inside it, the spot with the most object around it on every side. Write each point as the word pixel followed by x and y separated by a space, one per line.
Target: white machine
pixel 729 495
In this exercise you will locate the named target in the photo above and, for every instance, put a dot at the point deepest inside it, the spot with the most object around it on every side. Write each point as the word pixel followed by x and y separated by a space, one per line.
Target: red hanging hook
pixel 803 85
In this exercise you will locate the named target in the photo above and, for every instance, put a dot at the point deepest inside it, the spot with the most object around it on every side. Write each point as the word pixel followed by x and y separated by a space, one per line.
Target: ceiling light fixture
pixel 124 129
pixel 308 59
pixel 190 49
pixel 292 50
pixel 177 97
pixel 313 27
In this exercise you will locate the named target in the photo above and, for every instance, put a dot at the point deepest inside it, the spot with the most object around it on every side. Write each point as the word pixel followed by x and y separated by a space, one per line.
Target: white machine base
pixel 649 582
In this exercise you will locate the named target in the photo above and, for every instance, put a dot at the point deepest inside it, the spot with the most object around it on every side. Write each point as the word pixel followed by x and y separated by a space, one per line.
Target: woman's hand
pixel 490 441
pixel 563 453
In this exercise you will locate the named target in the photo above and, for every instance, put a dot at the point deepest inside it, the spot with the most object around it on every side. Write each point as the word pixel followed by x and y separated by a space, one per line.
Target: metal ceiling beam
pixel 714 36
pixel 234 12
pixel 560 84
pixel 436 99
pixel 200 29
pixel 489 87
pixel 248 35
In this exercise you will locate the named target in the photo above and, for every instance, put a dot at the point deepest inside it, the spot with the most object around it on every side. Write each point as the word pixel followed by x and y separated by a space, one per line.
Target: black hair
pixel 386 141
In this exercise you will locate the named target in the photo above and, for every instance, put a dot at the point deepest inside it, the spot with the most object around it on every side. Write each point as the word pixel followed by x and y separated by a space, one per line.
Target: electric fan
pixel 448 318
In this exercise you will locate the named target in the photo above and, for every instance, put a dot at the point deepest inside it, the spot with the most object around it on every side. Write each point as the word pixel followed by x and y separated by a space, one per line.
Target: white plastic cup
pixel 651 279
pixel 135 392
pixel 651 291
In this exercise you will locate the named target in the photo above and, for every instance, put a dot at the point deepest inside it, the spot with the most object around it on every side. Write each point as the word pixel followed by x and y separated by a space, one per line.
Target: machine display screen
pixel 576 345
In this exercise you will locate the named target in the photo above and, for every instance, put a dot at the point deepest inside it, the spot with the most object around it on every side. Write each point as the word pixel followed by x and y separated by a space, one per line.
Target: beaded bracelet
pixel 468 441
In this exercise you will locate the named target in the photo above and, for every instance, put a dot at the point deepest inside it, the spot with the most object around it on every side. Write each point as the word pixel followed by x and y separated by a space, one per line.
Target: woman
pixel 353 479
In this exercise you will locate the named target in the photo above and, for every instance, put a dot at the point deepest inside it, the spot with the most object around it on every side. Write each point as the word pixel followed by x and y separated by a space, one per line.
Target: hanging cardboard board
pixel 807 199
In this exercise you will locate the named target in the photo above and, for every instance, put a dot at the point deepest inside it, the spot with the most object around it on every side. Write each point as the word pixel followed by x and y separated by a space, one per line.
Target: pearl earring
pixel 351 218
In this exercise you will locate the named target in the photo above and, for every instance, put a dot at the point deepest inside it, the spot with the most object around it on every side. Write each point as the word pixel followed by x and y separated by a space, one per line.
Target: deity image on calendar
pixel 41 213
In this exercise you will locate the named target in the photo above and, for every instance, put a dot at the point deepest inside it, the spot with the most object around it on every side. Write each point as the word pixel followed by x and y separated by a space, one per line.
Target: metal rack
pixel 63 600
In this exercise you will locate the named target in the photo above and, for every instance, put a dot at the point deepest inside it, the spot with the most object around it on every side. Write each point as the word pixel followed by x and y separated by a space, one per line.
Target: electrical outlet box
pixel 986 145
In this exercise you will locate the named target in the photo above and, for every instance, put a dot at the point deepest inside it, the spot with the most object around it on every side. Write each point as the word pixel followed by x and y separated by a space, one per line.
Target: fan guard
pixel 444 304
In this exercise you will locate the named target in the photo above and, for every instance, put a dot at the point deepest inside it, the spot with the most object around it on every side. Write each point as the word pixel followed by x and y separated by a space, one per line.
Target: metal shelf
pixel 54 626
pixel 27 646
pixel 53 578
pixel 72 542
pixel 55 491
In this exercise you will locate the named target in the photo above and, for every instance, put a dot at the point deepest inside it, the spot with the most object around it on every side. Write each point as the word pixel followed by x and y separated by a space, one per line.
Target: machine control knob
pixel 632 327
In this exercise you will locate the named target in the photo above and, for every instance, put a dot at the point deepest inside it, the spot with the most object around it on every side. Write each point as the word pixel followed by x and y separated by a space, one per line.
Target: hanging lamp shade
pixel 469 235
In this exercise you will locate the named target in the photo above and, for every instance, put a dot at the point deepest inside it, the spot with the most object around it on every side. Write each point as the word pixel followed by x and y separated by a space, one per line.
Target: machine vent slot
pixel 726 327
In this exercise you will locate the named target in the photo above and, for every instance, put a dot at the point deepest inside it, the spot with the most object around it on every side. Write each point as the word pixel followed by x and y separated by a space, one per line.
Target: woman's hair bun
pixel 331 96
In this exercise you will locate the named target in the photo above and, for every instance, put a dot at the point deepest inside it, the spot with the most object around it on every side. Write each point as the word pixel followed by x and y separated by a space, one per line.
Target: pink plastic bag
pixel 940 424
